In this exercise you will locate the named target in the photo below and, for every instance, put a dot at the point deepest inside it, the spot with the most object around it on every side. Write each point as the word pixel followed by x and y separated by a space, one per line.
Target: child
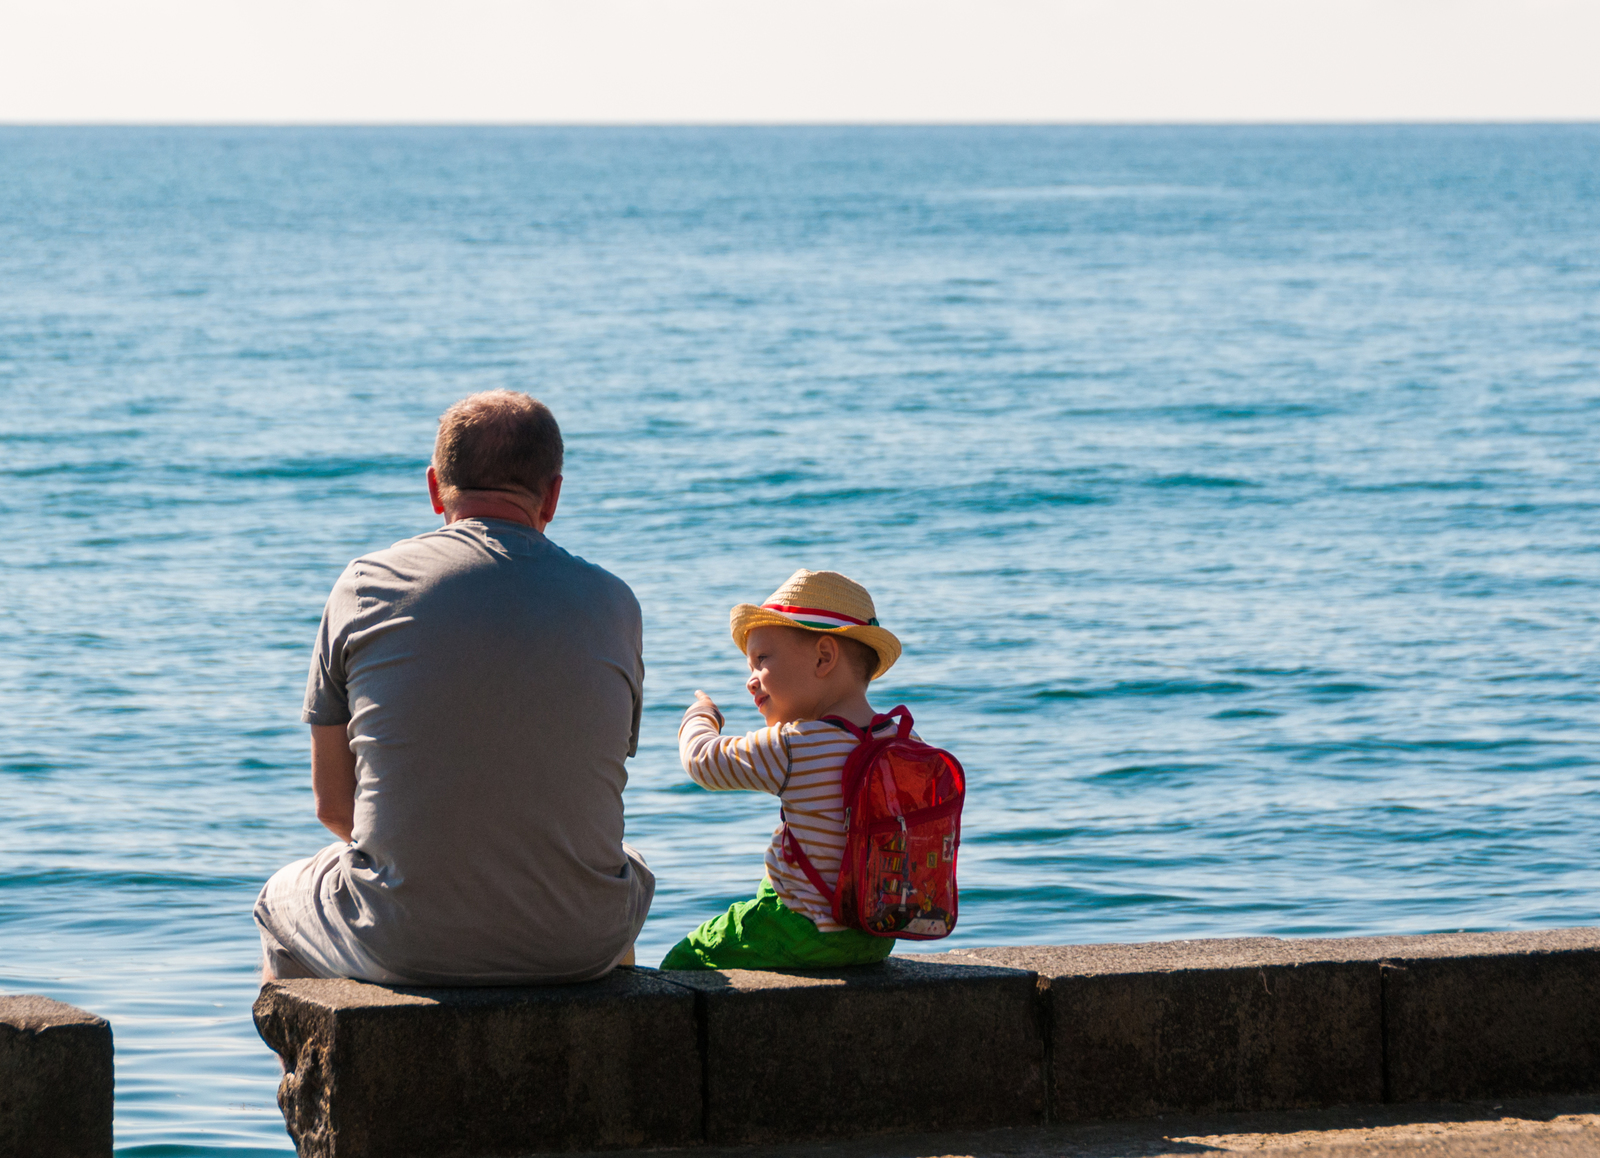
pixel 812 648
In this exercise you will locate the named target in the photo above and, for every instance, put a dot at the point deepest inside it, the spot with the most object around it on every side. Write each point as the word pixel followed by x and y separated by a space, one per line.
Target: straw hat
pixel 822 601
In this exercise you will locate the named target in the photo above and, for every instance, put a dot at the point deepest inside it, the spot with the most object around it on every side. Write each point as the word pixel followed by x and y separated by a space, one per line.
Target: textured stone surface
pixel 1567 1127
pixel 905 1045
pixel 55 1080
pixel 1248 952
pixel 1535 942
pixel 470 1073
pixel 1263 1022
pixel 1483 1014
pixel 1204 1027
pixel 964 1040
pixel 1518 1017
pixel 1147 957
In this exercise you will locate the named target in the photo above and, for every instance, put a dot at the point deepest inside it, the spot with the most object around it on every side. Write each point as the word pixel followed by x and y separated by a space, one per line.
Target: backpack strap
pixel 794 854
pixel 851 783
pixel 904 730
pixel 862 735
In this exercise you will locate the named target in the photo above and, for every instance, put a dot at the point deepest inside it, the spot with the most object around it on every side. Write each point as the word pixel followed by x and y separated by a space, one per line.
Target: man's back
pixel 492 686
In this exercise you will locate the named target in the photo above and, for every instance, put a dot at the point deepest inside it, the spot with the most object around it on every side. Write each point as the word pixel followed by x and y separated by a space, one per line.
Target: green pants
pixel 762 934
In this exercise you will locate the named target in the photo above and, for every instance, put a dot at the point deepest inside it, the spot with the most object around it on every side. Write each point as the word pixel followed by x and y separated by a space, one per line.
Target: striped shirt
pixel 802 764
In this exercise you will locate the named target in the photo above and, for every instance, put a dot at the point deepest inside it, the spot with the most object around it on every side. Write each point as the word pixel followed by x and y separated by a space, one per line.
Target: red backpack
pixel 902 819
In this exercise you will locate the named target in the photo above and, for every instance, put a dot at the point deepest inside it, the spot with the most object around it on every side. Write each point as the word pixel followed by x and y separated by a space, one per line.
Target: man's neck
pixel 492 507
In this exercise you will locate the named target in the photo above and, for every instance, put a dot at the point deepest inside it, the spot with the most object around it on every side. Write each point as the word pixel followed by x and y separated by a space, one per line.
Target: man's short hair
pixel 499 440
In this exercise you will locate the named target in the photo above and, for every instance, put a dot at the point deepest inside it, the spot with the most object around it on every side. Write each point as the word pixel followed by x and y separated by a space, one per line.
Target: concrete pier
pixel 55 1080
pixel 1555 1127
pixel 1263 1023
pixel 1019 1037
pixel 1202 1026
pixel 908 1045
pixel 397 1073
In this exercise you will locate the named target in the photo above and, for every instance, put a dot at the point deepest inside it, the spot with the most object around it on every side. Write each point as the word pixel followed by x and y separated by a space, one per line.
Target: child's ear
pixel 827 656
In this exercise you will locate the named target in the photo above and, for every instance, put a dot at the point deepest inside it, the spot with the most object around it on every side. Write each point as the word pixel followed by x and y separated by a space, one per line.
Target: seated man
pixel 473 695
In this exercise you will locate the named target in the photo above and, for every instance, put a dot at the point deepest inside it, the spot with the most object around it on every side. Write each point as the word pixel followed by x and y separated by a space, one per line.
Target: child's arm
pixel 756 762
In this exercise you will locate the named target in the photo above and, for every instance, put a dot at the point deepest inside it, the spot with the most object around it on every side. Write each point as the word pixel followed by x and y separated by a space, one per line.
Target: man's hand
pixel 333 778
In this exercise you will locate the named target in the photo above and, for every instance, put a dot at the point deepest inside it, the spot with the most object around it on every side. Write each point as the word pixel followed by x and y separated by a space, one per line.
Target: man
pixel 473 695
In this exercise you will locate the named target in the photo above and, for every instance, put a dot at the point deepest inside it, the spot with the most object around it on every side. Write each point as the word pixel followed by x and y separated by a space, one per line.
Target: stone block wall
pixel 55 1080
pixel 965 1039
pixel 909 1045
pixel 410 1073
pixel 1267 1023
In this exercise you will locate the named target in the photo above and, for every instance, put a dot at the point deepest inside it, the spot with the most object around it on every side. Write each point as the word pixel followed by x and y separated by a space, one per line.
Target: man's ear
pixel 547 505
pixel 433 491
pixel 828 655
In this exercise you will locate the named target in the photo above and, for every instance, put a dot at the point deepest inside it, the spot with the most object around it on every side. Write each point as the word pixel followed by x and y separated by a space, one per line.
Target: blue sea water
pixel 1234 491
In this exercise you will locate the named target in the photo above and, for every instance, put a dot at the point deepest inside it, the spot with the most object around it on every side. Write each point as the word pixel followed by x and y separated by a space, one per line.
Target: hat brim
pixel 746 617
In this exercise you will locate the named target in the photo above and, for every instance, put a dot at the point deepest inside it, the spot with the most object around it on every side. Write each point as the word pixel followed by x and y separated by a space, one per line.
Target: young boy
pixel 812 648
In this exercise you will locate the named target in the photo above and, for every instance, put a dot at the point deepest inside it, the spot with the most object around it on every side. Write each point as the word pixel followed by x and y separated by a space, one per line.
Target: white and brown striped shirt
pixel 802 765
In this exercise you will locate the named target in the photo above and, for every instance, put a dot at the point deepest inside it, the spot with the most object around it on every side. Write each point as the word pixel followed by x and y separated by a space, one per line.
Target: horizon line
pixel 1399 122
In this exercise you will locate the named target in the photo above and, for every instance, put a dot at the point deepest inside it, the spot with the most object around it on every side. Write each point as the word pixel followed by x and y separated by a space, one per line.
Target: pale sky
pixel 813 61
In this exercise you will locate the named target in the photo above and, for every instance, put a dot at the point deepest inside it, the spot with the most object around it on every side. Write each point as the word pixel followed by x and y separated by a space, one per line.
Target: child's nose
pixel 751 684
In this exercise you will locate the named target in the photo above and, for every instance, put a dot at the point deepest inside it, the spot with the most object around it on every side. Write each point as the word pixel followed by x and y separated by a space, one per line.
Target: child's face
pixel 783 663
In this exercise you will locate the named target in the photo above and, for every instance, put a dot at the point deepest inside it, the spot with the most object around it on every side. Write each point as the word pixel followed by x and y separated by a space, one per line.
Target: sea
pixel 1235 492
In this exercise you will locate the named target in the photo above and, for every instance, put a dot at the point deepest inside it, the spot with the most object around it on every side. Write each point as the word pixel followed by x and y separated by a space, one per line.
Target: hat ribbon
pixel 817 617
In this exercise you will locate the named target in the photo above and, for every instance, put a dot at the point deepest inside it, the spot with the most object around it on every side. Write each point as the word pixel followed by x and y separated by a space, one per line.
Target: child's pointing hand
pixel 706 704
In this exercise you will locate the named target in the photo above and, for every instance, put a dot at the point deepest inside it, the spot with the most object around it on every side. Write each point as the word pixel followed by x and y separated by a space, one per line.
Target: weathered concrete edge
pixel 839 1081
pixel 1449 1016
pixel 1517 963
pixel 1256 952
pixel 57 1063
pixel 558 1074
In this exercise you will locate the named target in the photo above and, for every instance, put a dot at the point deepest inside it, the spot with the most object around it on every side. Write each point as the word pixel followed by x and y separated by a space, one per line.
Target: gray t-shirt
pixel 491 685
